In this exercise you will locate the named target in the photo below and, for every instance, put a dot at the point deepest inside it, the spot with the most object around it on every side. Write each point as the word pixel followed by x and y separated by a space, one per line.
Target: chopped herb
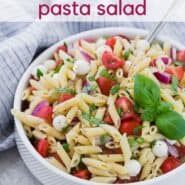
pixel 57 69
pixel 115 89
pixel 39 73
pixel 132 142
pixel 92 119
pixel 66 147
pixel 120 111
pixel 65 44
pixel 69 60
pixel 174 83
pixel 65 90
pixel 127 54
pixel 88 89
pixel 178 63
pixel 137 130
pixel 81 165
pixel 103 139
pixel 106 74
pixel 92 108
pixel 91 78
pixel 140 140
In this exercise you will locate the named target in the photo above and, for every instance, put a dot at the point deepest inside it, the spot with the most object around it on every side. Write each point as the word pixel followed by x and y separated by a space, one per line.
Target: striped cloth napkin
pixel 20 42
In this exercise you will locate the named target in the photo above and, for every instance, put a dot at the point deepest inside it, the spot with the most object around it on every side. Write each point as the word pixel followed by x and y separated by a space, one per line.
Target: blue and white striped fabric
pixel 20 42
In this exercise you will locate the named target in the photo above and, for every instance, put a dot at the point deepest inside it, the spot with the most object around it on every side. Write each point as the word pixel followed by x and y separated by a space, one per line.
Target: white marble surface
pixel 13 170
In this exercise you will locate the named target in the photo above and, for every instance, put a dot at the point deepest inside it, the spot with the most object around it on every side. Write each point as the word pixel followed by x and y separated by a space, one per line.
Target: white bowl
pixel 41 169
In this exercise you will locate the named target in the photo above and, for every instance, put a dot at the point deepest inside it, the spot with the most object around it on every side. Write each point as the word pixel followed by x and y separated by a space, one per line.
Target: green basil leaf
pixel 149 114
pixel 39 73
pixel 171 125
pixel 164 107
pixel 115 89
pixel 66 147
pixel 106 74
pixel 65 90
pixel 146 92
pixel 175 83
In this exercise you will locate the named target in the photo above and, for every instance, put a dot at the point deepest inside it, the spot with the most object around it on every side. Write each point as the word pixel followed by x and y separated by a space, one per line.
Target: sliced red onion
pixel 166 60
pixel 86 56
pixel 172 150
pixel 173 53
pixel 38 107
pixel 74 121
pixel 163 77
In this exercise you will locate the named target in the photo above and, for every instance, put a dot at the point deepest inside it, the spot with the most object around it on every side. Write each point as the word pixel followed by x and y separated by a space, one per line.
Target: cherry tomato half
pixel 177 71
pixel 125 104
pixel 107 119
pixel 63 48
pixel 111 42
pixel 105 85
pixel 170 164
pixel 83 174
pixel 45 113
pixel 181 56
pixel 42 147
pixel 65 96
pixel 111 61
pixel 129 126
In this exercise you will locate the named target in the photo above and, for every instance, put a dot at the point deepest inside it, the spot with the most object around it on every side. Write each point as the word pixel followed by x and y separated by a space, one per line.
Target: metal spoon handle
pixel 158 27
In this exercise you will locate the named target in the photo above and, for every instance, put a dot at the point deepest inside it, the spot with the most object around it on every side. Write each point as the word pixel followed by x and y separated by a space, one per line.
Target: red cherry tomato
pixel 111 61
pixel 45 113
pixel 111 42
pixel 65 96
pixel 42 147
pixel 170 164
pixel 181 56
pixel 177 71
pixel 181 151
pixel 129 126
pixel 105 85
pixel 63 48
pixel 125 104
pixel 130 115
pixel 83 174
pixel 107 119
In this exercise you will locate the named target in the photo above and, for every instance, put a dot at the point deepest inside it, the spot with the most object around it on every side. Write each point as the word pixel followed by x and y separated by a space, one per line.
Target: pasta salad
pixel 108 110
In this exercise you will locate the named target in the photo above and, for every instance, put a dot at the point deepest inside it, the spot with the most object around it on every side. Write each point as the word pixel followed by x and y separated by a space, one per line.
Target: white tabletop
pixel 13 170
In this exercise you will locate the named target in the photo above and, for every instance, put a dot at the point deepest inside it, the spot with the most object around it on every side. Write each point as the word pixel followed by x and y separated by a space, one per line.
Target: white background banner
pixel 91 10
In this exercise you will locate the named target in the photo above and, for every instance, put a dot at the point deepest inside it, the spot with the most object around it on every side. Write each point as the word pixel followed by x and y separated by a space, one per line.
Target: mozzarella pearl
pixel 42 68
pixel 100 42
pixel 160 149
pixel 133 167
pixel 171 142
pixel 142 45
pixel 50 64
pixel 100 50
pixel 59 122
pixel 81 67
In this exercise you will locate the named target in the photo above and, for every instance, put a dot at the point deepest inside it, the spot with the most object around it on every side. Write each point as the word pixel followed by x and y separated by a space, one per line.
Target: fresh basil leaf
pixel 65 90
pixel 106 74
pixel 178 63
pixel 171 125
pixel 175 83
pixel 146 92
pixel 149 114
pixel 66 147
pixel 39 73
pixel 115 89
pixel 164 107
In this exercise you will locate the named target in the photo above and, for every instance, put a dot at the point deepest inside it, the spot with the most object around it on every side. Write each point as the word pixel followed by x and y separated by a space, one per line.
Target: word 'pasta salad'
pixel 109 110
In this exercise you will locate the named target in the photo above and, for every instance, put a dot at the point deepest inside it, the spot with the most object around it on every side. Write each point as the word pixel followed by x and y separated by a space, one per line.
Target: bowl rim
pixel 96 33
